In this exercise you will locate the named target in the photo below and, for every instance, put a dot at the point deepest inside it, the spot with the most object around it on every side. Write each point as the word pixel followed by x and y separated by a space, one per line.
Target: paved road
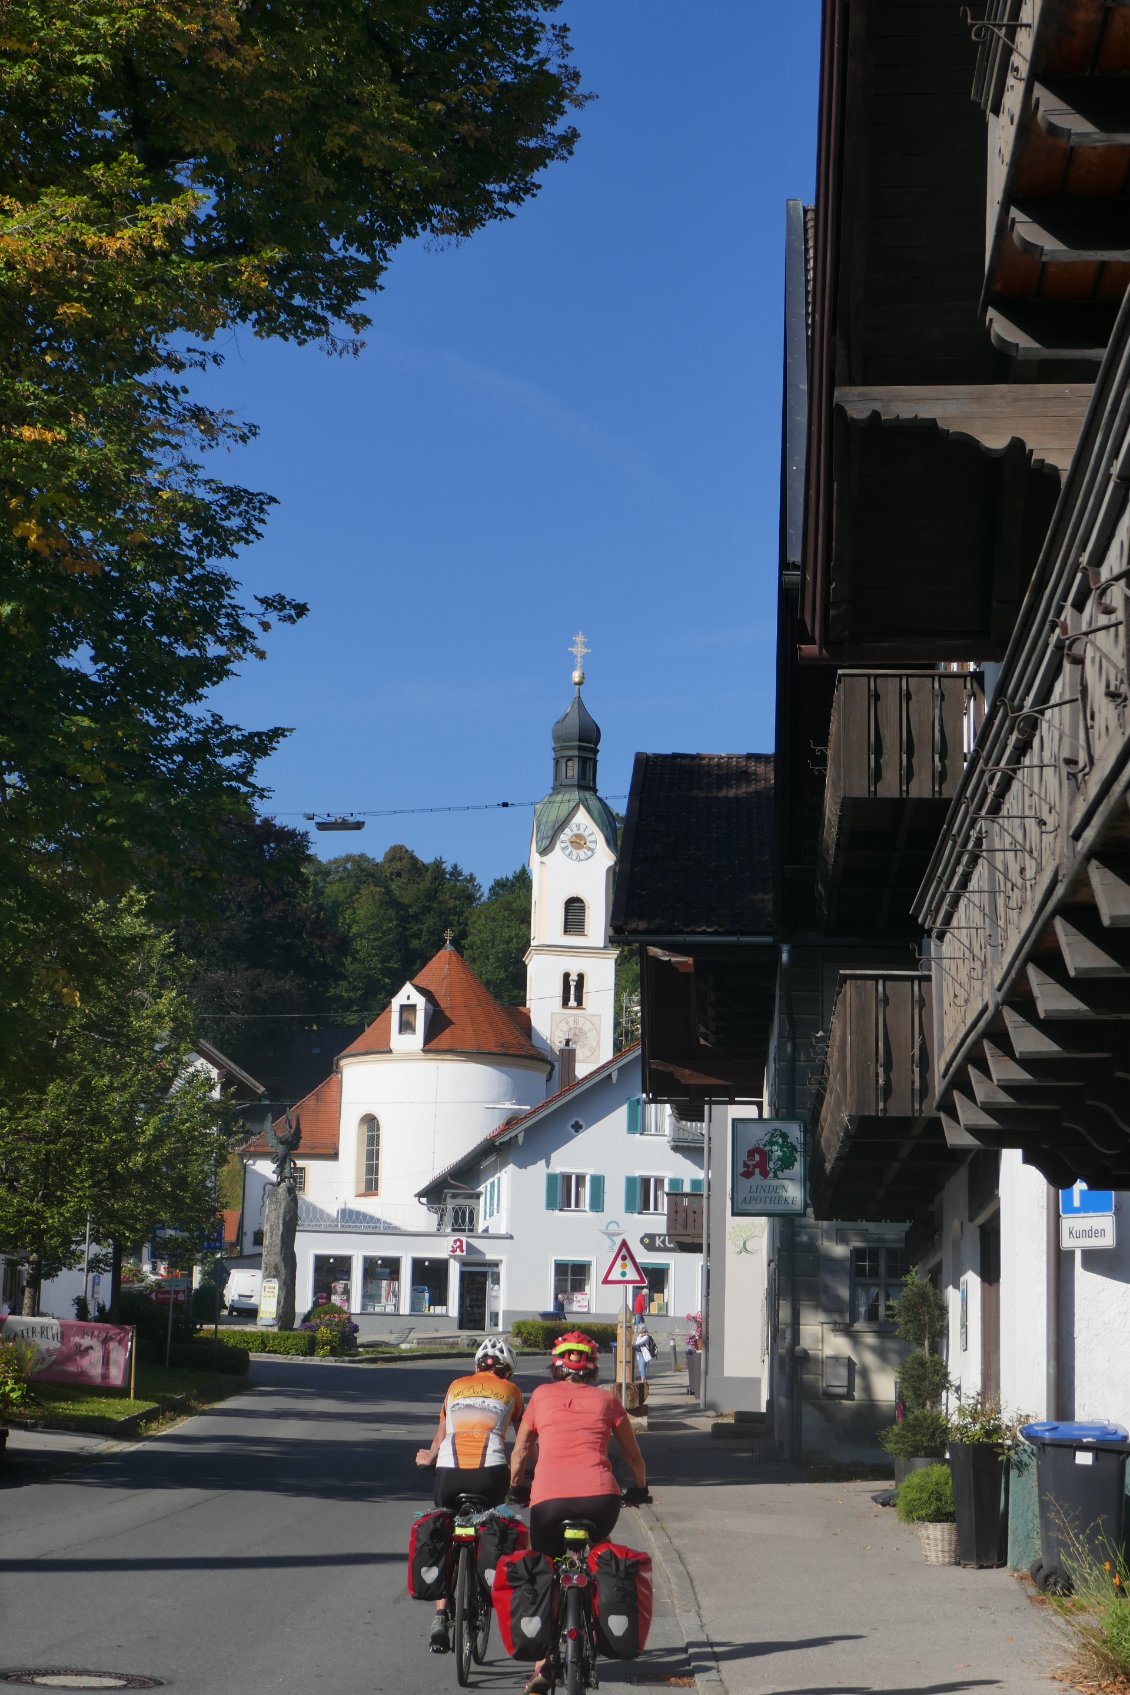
pixel 260 1546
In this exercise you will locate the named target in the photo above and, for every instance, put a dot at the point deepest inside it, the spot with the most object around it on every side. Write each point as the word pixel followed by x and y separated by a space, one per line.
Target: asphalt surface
pixel 260 1546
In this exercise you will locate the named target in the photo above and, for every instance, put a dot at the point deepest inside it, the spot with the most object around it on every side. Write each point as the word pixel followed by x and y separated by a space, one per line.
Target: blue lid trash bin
pixel 1081 1483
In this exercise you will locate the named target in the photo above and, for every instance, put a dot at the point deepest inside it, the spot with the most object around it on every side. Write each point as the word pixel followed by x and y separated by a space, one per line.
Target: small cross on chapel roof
pixel 578 650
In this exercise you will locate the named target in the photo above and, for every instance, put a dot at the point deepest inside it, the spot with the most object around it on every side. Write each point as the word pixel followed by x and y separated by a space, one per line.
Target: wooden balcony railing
pixel 896 753
pixel 684 1220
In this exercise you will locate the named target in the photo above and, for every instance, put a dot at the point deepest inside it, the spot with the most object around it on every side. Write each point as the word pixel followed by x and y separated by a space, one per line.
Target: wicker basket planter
pixel 939 1543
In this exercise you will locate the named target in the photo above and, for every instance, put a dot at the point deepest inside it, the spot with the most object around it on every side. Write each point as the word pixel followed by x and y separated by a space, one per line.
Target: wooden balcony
pixel 684 1222
pixel 878 1151
pixel 1027 900
pixel 896 745
pixel 1058 110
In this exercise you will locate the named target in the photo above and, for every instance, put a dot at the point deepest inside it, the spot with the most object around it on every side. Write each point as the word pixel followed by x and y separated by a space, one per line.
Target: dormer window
pixel 406 1020
pixel 409 1020
pixel 574 921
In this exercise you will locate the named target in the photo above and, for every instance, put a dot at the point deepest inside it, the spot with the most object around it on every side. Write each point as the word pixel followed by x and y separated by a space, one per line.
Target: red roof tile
pixel 320 1113
pixel 464 1018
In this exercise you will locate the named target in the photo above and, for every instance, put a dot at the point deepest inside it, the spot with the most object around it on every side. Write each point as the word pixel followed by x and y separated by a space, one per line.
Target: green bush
pixel 920 1315
pixel 206 1304
pixel 151 1318
pixel 17 1362
pixel 204 1356
pixel 926 1496
pixel 922 1434
pixel 269 1341
pixel 543 1332
pixel 923 1379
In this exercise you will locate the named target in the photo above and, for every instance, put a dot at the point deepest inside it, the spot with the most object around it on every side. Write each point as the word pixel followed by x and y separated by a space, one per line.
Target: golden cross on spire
pixel 578 650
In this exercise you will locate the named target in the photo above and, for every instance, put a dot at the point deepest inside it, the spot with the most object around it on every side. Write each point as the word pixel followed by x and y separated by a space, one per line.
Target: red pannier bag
pixel 429 1555
pixel 499 1533
pixel 622 1599
pixel 524 1594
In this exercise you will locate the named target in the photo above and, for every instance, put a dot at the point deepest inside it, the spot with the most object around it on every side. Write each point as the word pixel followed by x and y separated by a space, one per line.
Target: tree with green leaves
pixel 170 169
pixel 114 1123
pixel 498 934
pixel 390 916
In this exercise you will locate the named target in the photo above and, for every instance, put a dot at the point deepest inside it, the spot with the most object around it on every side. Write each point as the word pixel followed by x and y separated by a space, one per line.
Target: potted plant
pixel 917 1438
pixel 981 1441
pixel 925 1498
pixel 693 1348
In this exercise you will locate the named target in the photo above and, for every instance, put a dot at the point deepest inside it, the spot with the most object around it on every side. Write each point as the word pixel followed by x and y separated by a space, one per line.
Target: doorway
pixel 658 1277
pixel 480 1288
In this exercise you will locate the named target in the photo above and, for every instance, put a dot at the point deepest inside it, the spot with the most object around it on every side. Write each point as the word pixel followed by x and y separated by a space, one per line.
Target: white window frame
pixel 590 1281
pixel 577 1184
pixel 656 1185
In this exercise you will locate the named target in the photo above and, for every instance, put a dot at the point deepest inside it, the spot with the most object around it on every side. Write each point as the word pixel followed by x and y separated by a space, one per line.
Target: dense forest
pixel 294 943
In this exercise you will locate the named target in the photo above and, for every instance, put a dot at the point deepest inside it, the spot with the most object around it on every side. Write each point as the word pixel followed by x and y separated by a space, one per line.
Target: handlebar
pixel 636 1495
pixel 518 1495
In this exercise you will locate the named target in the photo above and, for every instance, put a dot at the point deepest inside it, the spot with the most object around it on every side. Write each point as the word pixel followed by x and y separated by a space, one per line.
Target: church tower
pixel 570 968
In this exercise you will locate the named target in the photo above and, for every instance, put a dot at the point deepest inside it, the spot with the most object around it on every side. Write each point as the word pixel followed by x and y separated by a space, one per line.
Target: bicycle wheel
pixel 575 1669
pixel 482 1623
pixel 466 1580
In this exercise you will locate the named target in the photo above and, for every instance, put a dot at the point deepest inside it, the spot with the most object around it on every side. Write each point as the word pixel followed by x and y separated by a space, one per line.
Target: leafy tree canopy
pixel 498 934
pixel 112 1123
pixel 168 169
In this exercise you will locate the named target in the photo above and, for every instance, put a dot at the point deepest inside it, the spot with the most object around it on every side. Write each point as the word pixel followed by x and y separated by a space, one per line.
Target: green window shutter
pixel 697 1185
pixel 674 1185
pixel 631 1194
pixel 596 1194
pixel 635 1116
pixel 552 1191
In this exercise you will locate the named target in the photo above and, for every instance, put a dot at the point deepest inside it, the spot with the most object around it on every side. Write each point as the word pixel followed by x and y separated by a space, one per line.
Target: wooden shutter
pixel 635 1116
pixel 674 1185
pixel 697 1185
pixel 552 1191
pixel 631 1194
pixel 596 1193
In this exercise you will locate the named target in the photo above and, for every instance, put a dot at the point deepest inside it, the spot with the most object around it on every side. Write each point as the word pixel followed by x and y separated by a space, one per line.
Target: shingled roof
pixel 320 1115
pixel 465 1017
pixel 697 853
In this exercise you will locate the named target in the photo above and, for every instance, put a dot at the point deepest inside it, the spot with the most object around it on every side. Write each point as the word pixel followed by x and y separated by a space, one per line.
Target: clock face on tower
pixel 578 841
pixel 575 1030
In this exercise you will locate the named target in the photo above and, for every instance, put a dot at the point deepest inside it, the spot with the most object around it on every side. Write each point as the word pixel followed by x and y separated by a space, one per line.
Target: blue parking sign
pixel 1079 1200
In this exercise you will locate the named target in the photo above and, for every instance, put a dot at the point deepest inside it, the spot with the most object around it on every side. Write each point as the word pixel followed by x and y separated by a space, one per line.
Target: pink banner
pixel 70 1352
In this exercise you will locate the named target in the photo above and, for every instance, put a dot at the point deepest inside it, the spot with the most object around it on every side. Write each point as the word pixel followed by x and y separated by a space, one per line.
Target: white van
pixel 241 1292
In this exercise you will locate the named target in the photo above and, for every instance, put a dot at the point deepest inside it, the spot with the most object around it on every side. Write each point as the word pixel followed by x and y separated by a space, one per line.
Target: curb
pixel 700 1650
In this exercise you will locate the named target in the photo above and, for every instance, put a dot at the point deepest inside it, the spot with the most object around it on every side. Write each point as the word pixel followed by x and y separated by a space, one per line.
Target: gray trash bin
pixel 1081 1482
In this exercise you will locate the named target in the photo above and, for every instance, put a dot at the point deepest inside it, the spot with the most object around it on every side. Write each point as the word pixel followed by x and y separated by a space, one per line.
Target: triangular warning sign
pixel 623 1267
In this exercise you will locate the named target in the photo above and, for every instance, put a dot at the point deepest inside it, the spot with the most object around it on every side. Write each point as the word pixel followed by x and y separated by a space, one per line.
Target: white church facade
pixel 467 1163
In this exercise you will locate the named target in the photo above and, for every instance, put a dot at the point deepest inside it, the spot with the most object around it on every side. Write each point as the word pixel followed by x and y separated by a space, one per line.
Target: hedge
pixel 204 1356
pixel 543 1332
pixel 270 1341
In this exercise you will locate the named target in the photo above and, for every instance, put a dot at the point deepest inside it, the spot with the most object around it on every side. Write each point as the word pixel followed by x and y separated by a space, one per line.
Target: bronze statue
pixel 285 1146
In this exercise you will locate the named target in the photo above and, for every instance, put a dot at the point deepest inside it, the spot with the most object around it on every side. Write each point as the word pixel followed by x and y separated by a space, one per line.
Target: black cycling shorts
pixel 547 1517
pixel 489 1481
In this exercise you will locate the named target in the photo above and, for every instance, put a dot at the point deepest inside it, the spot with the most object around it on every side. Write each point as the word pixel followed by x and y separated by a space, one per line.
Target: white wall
pixel 552 952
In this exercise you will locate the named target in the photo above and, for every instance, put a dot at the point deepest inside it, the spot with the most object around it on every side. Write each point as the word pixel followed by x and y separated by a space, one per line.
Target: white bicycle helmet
pixel 495 1354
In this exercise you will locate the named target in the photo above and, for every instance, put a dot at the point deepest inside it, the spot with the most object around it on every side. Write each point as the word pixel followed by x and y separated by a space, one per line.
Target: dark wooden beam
pixel 1111 890
pixel 1091 948
pixel 1060 999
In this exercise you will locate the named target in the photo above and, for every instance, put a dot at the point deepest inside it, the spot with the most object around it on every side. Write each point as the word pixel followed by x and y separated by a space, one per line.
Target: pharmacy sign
pixel 768 1168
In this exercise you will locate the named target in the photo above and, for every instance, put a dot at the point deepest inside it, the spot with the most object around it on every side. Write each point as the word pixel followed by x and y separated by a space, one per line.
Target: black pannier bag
pixel 622 1599
pixel 499 1534
pixel 429 1555
pixel 524 1596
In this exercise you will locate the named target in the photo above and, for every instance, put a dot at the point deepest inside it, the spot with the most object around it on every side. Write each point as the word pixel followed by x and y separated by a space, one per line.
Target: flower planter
pixel 939 1543
pixel 980 1499
pixel 694 1372
pixel 904 1466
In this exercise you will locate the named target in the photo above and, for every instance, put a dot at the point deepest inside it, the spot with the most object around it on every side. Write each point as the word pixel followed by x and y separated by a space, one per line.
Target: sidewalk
pixel 780 1584
pixel 31 1454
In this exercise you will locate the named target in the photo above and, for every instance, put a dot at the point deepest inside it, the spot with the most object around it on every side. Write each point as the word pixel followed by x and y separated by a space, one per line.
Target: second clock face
pixel 578 841
pixel 578 1032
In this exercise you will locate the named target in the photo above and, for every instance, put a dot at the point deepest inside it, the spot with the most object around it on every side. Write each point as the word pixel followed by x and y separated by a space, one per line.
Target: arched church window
pixel 570 770
pixel 369 1156
pixel 572 988
pixel 575 921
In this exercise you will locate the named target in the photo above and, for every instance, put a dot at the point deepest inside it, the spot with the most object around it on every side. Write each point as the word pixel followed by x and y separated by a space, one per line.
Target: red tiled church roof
pixel 320 1113
pixel 464 1018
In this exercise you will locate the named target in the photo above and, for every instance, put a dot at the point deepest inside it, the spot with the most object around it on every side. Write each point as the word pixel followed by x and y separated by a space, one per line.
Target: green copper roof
pixel 551 813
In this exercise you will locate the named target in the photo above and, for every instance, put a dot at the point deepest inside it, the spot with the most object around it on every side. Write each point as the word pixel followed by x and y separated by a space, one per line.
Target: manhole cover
pixel 55 1677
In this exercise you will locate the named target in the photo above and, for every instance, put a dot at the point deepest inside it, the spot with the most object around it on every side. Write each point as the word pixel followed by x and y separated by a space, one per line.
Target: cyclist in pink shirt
pixel 571 1420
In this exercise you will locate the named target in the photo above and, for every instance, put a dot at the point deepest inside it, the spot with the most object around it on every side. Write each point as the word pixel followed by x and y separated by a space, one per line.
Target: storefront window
pixel 429 1285
pixel 572 1283
pixel 380 1284
pixel 333 1278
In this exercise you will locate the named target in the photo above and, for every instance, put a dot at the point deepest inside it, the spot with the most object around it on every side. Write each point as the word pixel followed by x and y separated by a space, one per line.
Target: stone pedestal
pixel 280 1221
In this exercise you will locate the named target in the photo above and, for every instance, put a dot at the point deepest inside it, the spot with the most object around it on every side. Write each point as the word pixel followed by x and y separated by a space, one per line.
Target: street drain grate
pixel 55 1677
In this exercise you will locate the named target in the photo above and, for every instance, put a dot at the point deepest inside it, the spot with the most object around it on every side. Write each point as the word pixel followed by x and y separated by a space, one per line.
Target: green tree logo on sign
pixel 773 1157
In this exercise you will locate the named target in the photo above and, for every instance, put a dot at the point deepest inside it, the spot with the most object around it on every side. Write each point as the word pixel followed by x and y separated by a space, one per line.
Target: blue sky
pixel 570 422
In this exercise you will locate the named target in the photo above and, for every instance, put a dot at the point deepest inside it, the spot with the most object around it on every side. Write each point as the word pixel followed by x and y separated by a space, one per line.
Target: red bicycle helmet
pixel 576 1356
